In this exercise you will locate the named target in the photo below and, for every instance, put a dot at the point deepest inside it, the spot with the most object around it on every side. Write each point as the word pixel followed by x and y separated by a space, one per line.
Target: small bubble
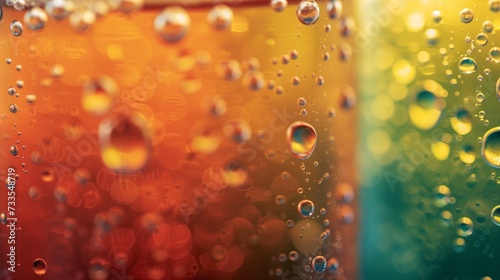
pixel 488 26
pixel 36 18
pixel 280 200
pixel 302 139
pixel 466 15
pixel 39 266
pixel 56 71
pixel 437 16
pixel 465 227
pixel 172 24
pixel 99 95
pixel 308 12
pixel 82 20
pixel 13 150
pixel 305 208
pixel 482 39
pixel 13 108
pixel 293 256
pixel 11 91
pixel 16 28
pixel 220 17
pixel 279 5
pixel 8 61
pixel 229 70
pixel 332 265
pixel 254 80
pixel 30 98
pixel 334 9
pixel 129 6
pixel 494 5
pixel 301 101
pixel 20 84
pixel 58 9
pixel 319 264
pixel 467 65
pixel 295 81
pixel 494 54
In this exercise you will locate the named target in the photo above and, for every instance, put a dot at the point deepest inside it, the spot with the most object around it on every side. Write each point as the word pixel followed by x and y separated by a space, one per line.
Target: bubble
pixel 428 105
pixel 467 65
pixel 59 9
pixel 301 139
pixel 129 6
pixel 3 218
pixel 432 35
pixel 36 18
pixel 488 26
pixel 334 9
pixel 14 150
pixel 465 227
pixel 279 5
pixel 13 108
pixel 481 39
pixel 437 16
pixel 332 265
pixel 308 12
pixel 56 71
pixel 319 264
pixel 495 215
pixel 301 102
pixel 229 70
pixel 11 91
pixel 254 80
pixel 461 122
pixel 19 4
pixel 494 5
pixel 237 130
pixel 99 95
pixel 172 24
pixel 280 199
pixel 466 15
pixel 125 144
pixel 305 208
pixel 220 17
pixel 30 98
pixel 82 20
pixel 442 196
pixel 293 256
pixel 290 223
pixel 490 148
pixel 467 154
pixel 16 28
pixel 459 245
pixel 98 268
pixel 20 84
pixel 494 54
pixel 39 266
pixel 218 252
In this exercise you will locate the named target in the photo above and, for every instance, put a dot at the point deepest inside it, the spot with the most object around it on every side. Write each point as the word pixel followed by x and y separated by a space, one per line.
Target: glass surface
pixel 168 142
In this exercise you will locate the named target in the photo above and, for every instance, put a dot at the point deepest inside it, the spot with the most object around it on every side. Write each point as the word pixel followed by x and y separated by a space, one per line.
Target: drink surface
pixel 178 143
pixel 430 90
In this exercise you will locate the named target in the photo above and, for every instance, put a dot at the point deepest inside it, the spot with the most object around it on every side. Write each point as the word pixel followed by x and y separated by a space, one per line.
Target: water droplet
pixel 319 264
pixel 308 12
pixel 36 18
pixel 495 215
pixel 279 5
pixel 220 17
pixel 129 6
pixel 461 122
pixel 465 227
pixel 466 15
pixel 494 54
pixel 467 65
pixel 334 9
pixel 494 5
pixel 39 266
pixel 13 108
pixel 99 95
pixel 172 24
pixel 125 144
pixel 490 148
pixel 59 9
pixel 302 139
pixel 16 28
pixel 82 20
pixel 305 208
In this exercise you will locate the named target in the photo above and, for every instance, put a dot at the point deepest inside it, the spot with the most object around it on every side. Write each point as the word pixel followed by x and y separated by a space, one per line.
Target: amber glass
pixel 217 148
